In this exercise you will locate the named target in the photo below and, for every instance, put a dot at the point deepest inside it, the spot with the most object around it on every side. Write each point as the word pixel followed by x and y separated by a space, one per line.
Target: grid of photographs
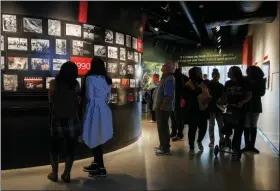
pixel 40 45
pixel 32 25
pixel 9 23
pixel 122 69
pixel 119 38
pixel 122 54
pixel 60 47
pixel 73 30
pixel 40 64
pixel 100 50
pixel 33 83
pixel 19 44
pixel 17 63
pixel 113 52
pixel 54 27
pixel 112 68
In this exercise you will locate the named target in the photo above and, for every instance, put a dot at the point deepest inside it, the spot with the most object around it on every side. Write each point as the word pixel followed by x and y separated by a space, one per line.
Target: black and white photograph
pixel 9 23
pixel 100 50
pixel 10 82
pixel 41 64
pixel 40 45
pixel 54 27
pixel 114 98
pixel 116 83
pixel 129 55
pixel 109 36
pixel 112 68
pixel 128 40
pixel 122 54
pixel 32 25
pixel 2 63
pixel 17 63
pixel 57 63
pixel 32 83
pixel 87 49
pixel 132 83
pixel 112 52
pixel 134 43
pixel 122 69
pixel 88 32
pixel 122 96
pixel 15 43
pixel 73 30
pixel 2 43
pixel 119 38
pixel 48 80
pixel 78 48
pixel 136 57
pixel 130 69
pixel 60 47
pixel 137 81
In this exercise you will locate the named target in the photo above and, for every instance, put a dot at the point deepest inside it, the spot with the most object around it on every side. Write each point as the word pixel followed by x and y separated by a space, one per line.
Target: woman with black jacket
pixel 254 107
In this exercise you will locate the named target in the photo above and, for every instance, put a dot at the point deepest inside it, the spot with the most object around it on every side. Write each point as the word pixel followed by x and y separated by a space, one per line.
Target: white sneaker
pixel 191 152
pixel 151 121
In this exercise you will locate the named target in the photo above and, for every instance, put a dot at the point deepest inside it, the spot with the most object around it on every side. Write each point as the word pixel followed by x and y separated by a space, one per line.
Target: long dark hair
pixel 67 74
pixel 255 73
pixel 235 73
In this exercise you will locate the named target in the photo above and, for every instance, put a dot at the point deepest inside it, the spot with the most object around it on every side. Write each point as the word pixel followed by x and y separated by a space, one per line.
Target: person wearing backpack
pixel 64 121
pixel 97 124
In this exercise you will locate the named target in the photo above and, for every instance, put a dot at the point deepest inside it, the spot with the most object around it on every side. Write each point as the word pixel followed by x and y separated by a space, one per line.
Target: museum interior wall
pixel 265 53
pixel 36 39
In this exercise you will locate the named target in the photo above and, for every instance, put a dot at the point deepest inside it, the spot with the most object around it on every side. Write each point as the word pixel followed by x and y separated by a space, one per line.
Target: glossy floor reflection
pixel 137 168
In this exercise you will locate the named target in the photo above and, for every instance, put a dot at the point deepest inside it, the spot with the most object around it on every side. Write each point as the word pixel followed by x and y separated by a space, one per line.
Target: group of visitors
pixel 196 101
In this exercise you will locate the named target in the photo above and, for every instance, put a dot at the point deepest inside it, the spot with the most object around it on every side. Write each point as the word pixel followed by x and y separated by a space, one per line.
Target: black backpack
pixel 64 101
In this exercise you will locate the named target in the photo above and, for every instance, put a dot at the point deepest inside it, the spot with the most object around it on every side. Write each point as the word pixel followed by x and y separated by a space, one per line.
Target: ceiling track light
pixel 217 29
pixel 219 38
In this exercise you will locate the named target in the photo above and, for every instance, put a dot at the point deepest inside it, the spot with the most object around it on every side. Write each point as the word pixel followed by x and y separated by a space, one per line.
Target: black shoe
pixel 246 149
pixel 157 148
pixel 101 172
pixel 172 135
pixel 66 178
pixel 162 153
pixel 254 150
pixel 53 177
pixel 92 168
pixel 177 138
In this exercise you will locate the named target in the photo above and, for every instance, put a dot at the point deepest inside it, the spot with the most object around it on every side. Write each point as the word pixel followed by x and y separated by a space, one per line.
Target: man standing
pixel 176 116
pixel 163 98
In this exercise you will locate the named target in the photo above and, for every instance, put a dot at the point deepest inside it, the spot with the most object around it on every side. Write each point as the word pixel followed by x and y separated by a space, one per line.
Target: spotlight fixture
pixel 166 7
pixel 219 38
pixel 201 6
pixel 156 29
pixel 167 20
pixel 219 46
pixel 217 29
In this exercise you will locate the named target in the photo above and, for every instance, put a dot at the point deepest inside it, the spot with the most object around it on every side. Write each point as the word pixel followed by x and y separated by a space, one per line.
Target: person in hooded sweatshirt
pixel 254 107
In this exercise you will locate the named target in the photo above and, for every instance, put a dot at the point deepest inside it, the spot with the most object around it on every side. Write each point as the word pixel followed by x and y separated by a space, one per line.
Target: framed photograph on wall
pixel 60 47
pixel 40 64
pixel 130 69
pixel 40 45
pixel 112 68
pixel 113 98
pixel 266 71
pixel 134 43
pixel 10 82
pixel 87 49
pixel 88 32
pixel 109 36
pixel 77 48
pixel 19 44
pixel 112 52
pixel 2 43
pixel 122 69
pixel 132 83
pixel 122 54
pixel 33 83
pixel 125 83
pixel 48 80
pixel 122 95
pixel 2 63
pixel 57 63
pixel 119 38
pixel 100 50
pixel 129 55
pixel 32 25
pixel 54 27
pixel 136 57
pixel 73 30
pixel 17 63
pixel 128 40
pixel 116 83
pixel 9 23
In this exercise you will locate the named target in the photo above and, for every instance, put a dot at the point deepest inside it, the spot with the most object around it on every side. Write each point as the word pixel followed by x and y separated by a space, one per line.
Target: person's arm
pixel 261 87
pixel 168 94
pixel 247 94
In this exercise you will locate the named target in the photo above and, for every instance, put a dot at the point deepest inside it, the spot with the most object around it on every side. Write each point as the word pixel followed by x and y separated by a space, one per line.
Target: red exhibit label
pixel 139 45
pixel 82 63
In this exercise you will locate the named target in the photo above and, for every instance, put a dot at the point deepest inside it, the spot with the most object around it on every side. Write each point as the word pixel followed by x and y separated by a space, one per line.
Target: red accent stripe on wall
pixel 265 58
pixel 247 58
pixel 83 11
pixel 144 20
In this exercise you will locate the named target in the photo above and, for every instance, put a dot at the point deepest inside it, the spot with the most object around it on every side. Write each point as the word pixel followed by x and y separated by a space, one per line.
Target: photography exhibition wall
pixel 34 49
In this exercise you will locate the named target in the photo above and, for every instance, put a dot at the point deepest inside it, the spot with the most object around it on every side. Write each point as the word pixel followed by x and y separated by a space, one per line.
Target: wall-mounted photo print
pixel 88 32
pixel 129 55
pixel 116 83
pixel 2 63
pixel 122 69
pixel 119 38
pixel 125 83
pixel 136 57
pixel 17 63
pixel 40 45
pixel 112 68
pixel 87 49
pixel 122 95
pixel 54 27
pixel 60 47
pixel 122 54
pixel 48 80
pixel 109 36
pixel 130 69
pixel 32 25
pixel 41 64
pixel 73 30
pixel 15 43
pixel 57 63
pixel 9 23
pixel 128 40
pixel 132 83
pixel 112 52
pixel 130 97
pixel 77 47
pixel 2 43
pixel 32 83
pixel 100 50
pixel 10 82
pixel 114 98
pixel 134 43
pixel 137 83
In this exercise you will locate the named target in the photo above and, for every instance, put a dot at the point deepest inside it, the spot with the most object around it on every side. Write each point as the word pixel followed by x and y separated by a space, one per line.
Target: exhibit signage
pixel 82 63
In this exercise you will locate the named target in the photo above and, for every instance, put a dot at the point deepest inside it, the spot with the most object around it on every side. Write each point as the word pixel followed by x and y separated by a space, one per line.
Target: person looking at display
pixel 163 105
pixel 176 116
pixel 155 81
pixel 197 97
pixel 206 80
pixel 254 107
pixel 97 124
pixel 64 122
pixel 216 91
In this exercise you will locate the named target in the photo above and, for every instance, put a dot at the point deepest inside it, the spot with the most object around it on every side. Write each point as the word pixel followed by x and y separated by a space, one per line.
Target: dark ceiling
pixel 189 24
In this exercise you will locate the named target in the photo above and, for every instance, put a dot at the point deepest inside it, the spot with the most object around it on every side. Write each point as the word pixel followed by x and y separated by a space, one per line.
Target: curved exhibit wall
pixel 33 48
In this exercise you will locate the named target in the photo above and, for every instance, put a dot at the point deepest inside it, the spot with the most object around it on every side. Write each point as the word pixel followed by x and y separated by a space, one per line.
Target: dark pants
pixel 70 143
pixel 153 113
pixel 98 155
pixel 201 124
pixel 163 129
pixel 177 121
